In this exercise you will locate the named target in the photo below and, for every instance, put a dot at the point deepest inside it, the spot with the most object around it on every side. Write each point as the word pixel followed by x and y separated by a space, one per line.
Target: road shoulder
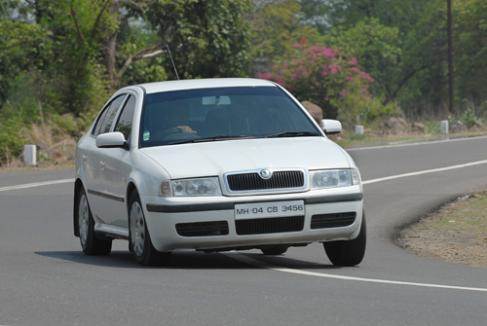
pixel 456 233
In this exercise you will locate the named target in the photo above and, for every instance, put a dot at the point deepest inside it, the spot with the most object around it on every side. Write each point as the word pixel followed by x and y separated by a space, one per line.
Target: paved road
pixel 45 280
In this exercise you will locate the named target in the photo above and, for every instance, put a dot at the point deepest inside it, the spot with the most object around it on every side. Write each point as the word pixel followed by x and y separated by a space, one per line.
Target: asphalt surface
pixel 45 279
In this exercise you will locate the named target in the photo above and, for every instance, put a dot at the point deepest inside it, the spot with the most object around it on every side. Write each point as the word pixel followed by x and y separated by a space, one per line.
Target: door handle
pixel 102 165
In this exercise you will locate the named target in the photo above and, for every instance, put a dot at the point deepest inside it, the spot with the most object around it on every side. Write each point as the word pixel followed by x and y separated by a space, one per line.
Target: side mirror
pixel 331 126
pixel 111 140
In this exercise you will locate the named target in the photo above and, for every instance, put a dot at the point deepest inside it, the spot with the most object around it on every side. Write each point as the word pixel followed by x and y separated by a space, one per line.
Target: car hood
pixel 218 157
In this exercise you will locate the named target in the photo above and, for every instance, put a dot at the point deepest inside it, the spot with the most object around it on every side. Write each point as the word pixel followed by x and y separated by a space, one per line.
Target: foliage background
pixel 361 60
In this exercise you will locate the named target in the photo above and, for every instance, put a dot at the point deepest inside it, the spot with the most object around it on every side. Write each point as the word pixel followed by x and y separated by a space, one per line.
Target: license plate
pixel 269 209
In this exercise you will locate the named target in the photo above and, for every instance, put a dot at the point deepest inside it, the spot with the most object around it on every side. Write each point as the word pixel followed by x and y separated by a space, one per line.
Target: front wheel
pixel 91 243
pixel 140 243
pixel 348 253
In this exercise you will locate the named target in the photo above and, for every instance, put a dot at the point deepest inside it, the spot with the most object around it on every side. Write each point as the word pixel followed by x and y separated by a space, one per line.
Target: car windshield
pixel 221 114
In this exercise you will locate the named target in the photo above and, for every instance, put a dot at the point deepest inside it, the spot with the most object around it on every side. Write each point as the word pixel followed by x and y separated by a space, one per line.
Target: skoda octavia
pixel 214 165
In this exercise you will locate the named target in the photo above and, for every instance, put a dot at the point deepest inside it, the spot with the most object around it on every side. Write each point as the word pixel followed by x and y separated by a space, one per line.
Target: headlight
pixel 334 178
pixel 197 187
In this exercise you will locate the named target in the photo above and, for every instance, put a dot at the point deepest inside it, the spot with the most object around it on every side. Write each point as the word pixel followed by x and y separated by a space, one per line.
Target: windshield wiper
pixel 209 139
pixel 293 134
pixel 221 137
pixel 232 137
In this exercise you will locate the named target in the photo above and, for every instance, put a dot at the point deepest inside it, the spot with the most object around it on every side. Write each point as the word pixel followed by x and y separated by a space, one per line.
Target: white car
pixel 214 165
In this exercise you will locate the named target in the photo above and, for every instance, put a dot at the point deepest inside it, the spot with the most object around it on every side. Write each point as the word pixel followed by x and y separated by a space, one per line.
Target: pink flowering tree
pixel 326 77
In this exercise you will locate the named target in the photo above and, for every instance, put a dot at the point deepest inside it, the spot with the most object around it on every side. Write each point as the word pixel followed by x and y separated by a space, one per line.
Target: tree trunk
pixel 111 57
pixel 450 57
pixel 111 44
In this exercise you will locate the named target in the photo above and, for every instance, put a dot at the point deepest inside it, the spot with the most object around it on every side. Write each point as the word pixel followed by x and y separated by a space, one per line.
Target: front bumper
pixel 162 216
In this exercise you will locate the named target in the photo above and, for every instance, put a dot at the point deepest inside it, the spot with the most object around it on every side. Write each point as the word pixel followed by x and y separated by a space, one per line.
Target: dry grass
pixel 456 233
pixel 54 145
pixel 12 163
pixel 55 148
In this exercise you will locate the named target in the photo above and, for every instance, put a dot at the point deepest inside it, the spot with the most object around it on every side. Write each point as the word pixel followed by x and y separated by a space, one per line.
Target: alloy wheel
pixel 137 229
pixel 83 220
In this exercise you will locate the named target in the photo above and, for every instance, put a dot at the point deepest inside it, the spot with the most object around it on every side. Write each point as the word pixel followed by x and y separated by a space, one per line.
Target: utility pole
pixel 450 57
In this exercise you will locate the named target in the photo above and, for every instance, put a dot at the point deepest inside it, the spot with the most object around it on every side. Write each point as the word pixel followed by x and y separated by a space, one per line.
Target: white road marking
pixel 36 184
pixel 254 262
pixel 53 182
pixel 411 174
pixel 364 182
pixel 414 144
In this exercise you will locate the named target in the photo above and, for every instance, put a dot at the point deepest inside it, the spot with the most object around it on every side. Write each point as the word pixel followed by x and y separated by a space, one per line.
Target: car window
pixel 108 115
pixel 252 112
pixel 124 123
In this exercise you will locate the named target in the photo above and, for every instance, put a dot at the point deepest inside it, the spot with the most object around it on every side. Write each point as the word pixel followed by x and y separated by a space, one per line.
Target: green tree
pixel 207 38
pixel 276 27
pixel 378 49
pixel 77 29
pixel 25 47
pixel 96 44
pixel 470 44
pixel 401 43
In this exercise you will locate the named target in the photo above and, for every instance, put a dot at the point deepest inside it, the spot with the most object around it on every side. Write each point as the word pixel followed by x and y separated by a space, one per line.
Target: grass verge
pixel 456 233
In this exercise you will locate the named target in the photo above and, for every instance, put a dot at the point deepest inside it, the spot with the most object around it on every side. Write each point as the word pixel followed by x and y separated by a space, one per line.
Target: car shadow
pixel 186 260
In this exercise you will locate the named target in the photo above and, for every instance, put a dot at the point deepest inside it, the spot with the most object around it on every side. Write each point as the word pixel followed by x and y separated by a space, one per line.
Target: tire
pixel 91 243
pixel 274 250
pixel 348 253
pixel 140 244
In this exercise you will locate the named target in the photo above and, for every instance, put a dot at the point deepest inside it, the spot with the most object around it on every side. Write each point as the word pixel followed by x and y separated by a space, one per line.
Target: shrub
pixel 468 118
pixel 330 79
pixel 12 137
pixel 360 108
pixel 432 127
pixel 472 114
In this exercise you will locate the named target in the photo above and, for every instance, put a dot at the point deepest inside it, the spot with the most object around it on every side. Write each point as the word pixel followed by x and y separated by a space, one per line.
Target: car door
pixel 98 194
pixel 118 166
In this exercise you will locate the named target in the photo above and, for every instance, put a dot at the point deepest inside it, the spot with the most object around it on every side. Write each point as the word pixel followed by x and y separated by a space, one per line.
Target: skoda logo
pixel 265 174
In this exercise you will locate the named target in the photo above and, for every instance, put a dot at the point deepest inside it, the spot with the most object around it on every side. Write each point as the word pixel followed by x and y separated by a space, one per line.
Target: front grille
pixel 322 221
pixel 199 229
pixel 253 181
pixel 269 225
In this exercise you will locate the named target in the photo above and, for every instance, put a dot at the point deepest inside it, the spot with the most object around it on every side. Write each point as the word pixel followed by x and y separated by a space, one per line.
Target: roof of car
pixel 176 85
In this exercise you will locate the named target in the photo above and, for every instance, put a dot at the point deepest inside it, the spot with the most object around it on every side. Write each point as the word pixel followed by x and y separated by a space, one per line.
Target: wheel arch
pixel 78 184
pixel 131 187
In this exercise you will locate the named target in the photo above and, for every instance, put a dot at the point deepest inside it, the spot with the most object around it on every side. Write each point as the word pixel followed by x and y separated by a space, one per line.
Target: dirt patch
pixel 456 233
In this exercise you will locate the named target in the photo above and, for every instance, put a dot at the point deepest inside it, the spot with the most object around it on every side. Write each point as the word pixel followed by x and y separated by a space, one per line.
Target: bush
pixel 29 116
pixel 12 136
pixel 53 136
pixel 432 127
pixel 330 79
pixel 360 108
pixel 471 115
pixel 468 118
pixel 483 111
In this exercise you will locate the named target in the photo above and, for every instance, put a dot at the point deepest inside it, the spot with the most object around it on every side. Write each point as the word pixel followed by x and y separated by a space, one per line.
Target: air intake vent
pixel 269 225
pixel 200 229
pixel 322 221
pixel 253 181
